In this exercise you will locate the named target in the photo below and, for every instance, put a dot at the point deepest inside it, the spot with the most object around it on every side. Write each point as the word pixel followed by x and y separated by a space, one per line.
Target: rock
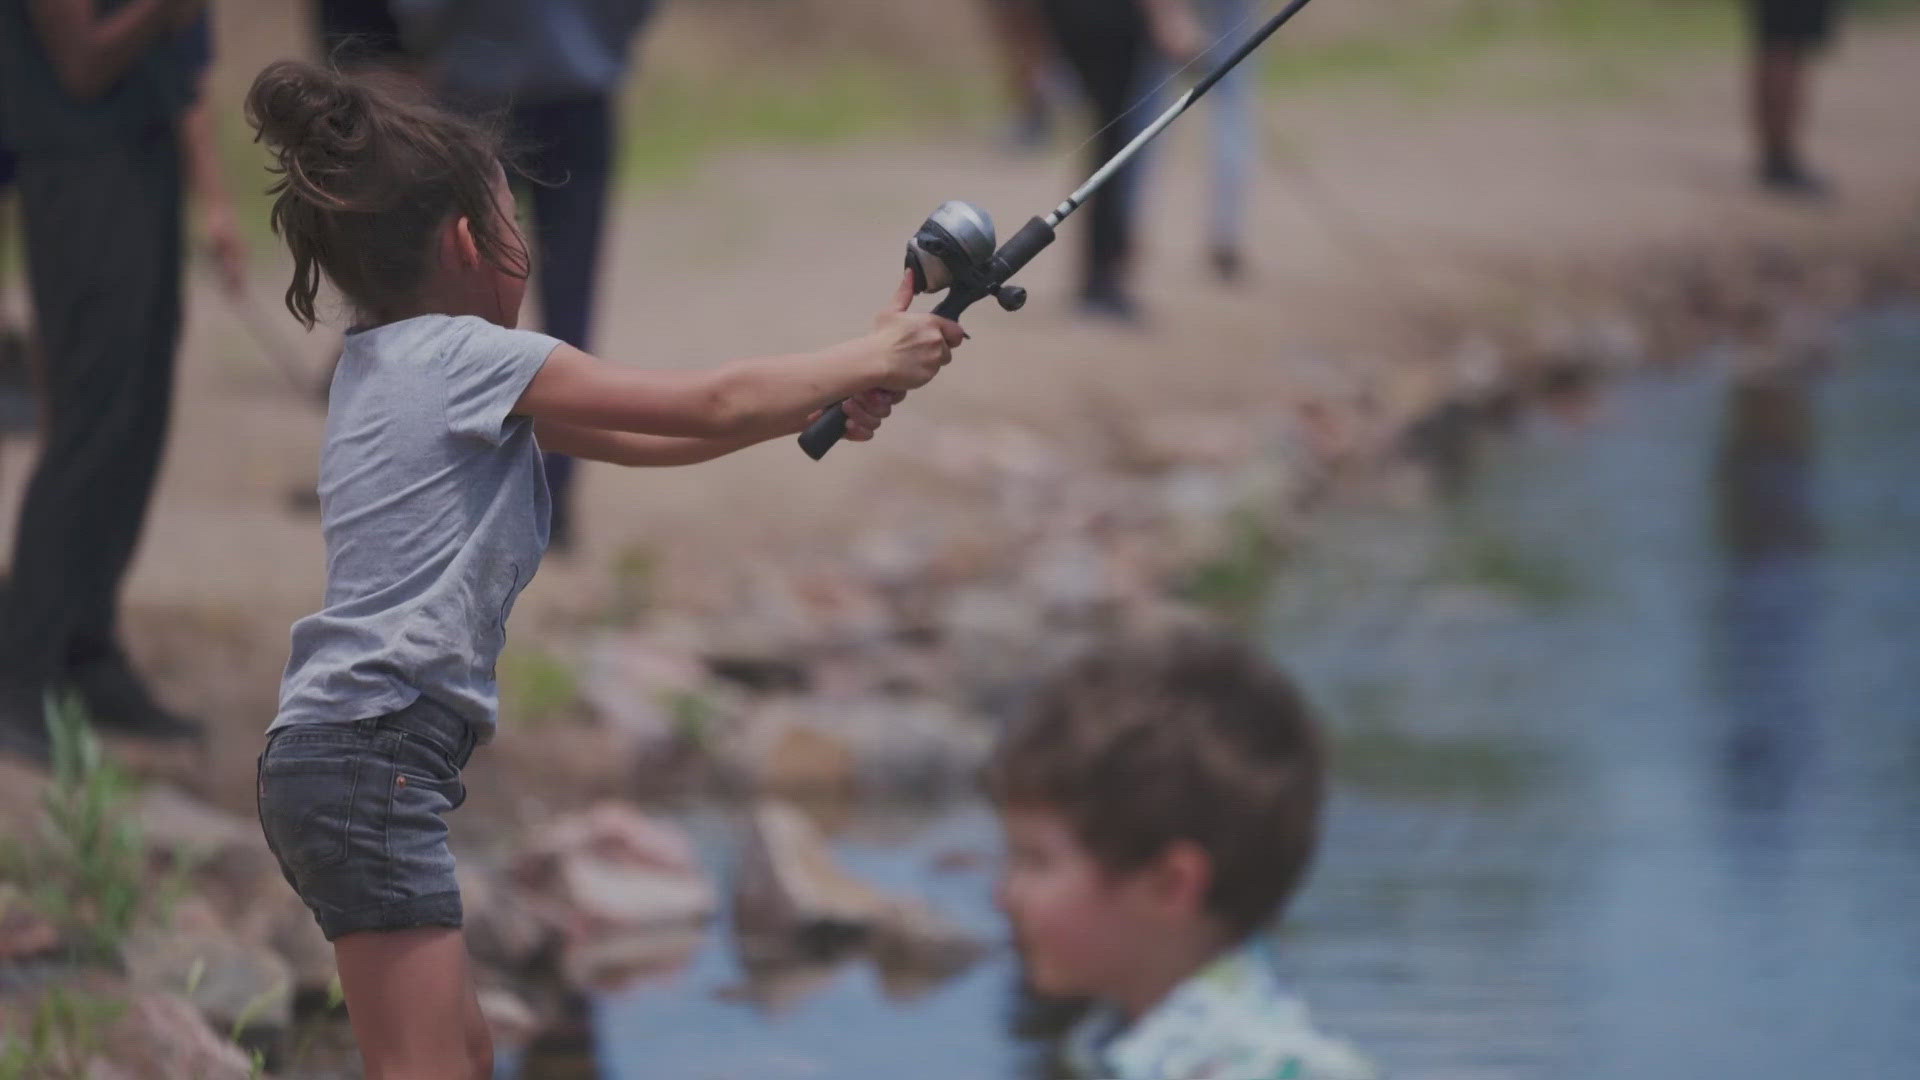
pixel 23 798
pixel 776 986
pixel 611 874
pixel 892 670
pixel 231 982
pixel 1074 580
pixel 511 1020
pixel 124 1032
pixel 630 681
pixel 792 892
pixel 1477 369
pixel 589 757
pixel 610 962
pixel 790 886
pixel 977 616
pixel 226 852
pixel 24 932
pixel 780 753
pixel 1162 443
pixel 876 744
pixel 501 929
pixel 989 456
pixel 160 1036
pixel 918 944
pixel 279 922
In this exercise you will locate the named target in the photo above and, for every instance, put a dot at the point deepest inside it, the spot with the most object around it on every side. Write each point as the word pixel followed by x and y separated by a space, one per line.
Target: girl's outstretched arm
pixel 864 414
pixel 743 399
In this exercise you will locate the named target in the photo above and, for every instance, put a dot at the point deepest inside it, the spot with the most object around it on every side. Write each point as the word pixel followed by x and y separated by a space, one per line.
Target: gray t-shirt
pixel 434 504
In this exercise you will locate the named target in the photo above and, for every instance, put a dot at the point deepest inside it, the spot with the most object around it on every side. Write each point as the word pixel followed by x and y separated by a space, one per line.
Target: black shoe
pixel 1227 263
pixel 23 723
pixel 1790 179
pixel 118 702
pixel 1110 305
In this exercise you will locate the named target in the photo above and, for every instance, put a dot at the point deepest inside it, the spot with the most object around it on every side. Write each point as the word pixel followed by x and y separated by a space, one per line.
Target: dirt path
pixel 1377 213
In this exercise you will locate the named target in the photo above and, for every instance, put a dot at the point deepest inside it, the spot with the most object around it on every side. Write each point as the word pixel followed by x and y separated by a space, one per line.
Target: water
pixel 1628 743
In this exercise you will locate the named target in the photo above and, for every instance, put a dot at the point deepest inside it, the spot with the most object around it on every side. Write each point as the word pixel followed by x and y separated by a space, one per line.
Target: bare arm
pixel 90 51
pixel 745 398
pixel 732 401
pixel 200 156
pixel 865 412
pixel 636 451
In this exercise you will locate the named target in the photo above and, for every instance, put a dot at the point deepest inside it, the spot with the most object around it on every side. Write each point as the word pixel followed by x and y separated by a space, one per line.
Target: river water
pixel 1627 730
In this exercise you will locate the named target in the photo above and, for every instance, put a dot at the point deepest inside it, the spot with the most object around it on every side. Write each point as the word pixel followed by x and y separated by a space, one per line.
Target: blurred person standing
pixel 1787 35
pixel 1112 47
pixel 92 100
pixel 1235 142
pixel 1021 36
pixel 554 68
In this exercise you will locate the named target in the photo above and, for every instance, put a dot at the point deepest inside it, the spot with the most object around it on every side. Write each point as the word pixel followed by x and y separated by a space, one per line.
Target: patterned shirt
pixel 1233 1020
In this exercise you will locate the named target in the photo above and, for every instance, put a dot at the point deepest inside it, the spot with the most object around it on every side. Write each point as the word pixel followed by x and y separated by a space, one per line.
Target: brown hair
pixel 369 172
pixel 1190 738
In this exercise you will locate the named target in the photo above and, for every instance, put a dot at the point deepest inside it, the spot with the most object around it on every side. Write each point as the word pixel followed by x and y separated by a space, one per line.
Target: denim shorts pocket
pixel 308 788
pixel 422 764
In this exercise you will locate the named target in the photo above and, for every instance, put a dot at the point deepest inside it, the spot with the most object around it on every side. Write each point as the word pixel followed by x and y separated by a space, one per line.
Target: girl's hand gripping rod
pixel 954 248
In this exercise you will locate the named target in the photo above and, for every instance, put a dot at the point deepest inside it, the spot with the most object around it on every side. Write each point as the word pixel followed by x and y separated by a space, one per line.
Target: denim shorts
pixel 354 812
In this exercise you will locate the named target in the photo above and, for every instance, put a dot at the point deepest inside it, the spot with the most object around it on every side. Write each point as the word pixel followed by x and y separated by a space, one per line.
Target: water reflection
pixel 1768 609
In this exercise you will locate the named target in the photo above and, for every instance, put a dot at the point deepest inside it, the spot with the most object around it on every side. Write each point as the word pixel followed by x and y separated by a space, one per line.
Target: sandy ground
pixel 1376 213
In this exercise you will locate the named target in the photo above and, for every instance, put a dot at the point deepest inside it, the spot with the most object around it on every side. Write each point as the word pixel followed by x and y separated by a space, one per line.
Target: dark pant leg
pixel 570 159
pixel 1107 53
pixel 103 259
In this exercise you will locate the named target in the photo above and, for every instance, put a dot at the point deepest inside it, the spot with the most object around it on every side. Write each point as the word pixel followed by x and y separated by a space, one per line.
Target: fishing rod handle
pixel 823 433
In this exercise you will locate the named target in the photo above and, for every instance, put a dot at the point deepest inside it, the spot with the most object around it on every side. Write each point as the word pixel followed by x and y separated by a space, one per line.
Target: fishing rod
pixel 954 248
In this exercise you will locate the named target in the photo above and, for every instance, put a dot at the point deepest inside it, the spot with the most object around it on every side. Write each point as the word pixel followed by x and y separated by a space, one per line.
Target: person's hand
pixel 221 233
pixel 866 410
pixel 1175 31
pixel 913 346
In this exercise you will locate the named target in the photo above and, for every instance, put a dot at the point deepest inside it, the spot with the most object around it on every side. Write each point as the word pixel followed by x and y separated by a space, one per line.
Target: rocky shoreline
pixel 874 672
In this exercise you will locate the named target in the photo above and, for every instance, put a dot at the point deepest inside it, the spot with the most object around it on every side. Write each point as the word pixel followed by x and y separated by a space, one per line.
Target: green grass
pixel 673 123
pixel 61 1037
pixel 1598 44
pixel 88 869
pixel 636 585
pixel 1235 579
pixel 1505 568
pixel 537 686
pixel 1471 769
pixel 1439 56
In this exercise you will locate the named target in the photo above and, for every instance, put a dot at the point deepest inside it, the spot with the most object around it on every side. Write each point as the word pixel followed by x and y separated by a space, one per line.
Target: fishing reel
pixel 953 250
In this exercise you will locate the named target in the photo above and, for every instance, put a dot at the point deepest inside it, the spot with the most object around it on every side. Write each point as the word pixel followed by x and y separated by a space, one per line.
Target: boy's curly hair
pixel 1191 738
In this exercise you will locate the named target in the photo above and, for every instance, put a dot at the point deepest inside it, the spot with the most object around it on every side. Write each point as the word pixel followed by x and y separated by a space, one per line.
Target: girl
pixel 435 511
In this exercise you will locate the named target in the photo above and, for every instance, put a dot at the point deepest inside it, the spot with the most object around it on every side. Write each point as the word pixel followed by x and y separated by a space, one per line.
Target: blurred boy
pixel 1161 805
